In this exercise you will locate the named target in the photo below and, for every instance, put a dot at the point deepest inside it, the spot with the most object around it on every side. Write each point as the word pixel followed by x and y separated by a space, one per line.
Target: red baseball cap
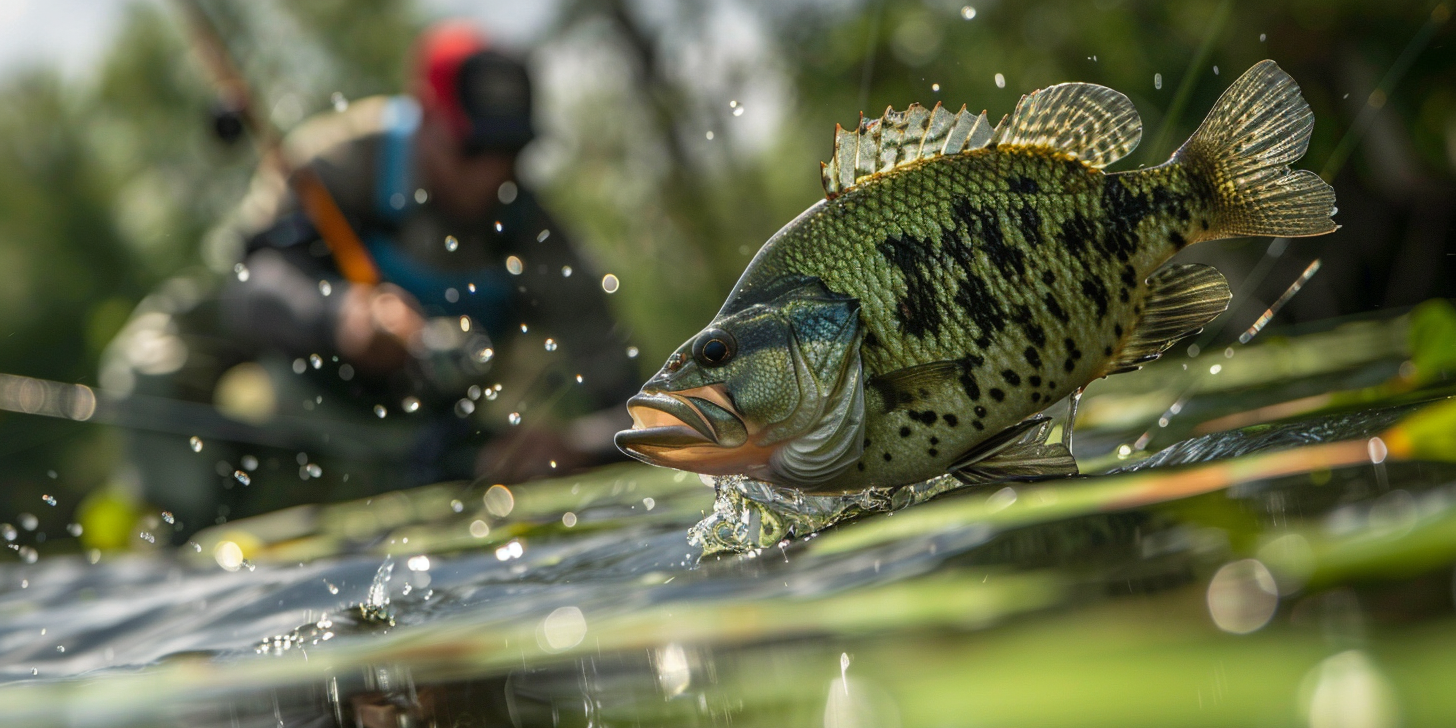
pixel 483 96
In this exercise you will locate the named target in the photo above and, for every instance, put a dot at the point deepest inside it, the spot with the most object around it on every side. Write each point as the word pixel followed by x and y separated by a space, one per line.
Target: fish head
pixel 773 390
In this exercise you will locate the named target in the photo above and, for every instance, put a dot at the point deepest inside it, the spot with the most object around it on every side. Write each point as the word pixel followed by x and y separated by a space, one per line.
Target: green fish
pixel 958 279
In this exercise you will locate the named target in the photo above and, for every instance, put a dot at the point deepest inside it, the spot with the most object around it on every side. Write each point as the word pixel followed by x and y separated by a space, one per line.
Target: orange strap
pixel 349 252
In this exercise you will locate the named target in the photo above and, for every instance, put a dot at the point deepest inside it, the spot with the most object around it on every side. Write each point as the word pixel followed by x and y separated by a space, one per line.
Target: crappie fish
pixel 959 279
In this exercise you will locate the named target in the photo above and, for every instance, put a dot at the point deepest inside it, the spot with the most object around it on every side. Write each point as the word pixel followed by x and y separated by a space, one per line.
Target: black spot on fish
pixel 977 424
pixel 935 441
pixel 1048 277
pixel 1036 396
pixel 1096 292
pixel 1177 239
pixel 1204 223
pixel 1051 385
pixel 1035 380
pixel 861 466
pixel 919 311
pixel 975 298
pixel 985 226
pixel 997 394
pixel 1022 185
pixel 904 431
pixel 1035 332
pixel 871 340
pixel 1122 295
pixel 951 420
pixel 1072 349
pixel 932 452
pixel 967 380
pixel 1011 377
pixel 1033 357
pixel 887 457
pixel 925 418
pixel 1107 351
pixel 1076 234
pixel 1117 329
pixel 1029 221
pixel 867 442
pixel 980 411
pixel 1055 308
pixel 1069 364
pixel 1129 276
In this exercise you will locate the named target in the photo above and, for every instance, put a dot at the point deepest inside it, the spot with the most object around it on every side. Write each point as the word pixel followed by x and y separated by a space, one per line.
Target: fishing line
pixel 1268 314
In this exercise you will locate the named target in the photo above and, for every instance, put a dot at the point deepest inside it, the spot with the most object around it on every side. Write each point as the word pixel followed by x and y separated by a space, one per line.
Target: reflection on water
pixel 1279 574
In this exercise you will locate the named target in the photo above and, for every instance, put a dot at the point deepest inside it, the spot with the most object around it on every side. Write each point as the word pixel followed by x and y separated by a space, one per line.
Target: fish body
pixel 958 280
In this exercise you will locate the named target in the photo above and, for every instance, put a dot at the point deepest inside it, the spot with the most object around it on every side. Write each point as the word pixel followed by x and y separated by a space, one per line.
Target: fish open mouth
pixel 693 429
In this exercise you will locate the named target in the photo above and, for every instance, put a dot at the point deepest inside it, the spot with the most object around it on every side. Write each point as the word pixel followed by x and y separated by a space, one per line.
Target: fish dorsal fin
pixel 1182 298
pixel 1092 123
pixel 898 138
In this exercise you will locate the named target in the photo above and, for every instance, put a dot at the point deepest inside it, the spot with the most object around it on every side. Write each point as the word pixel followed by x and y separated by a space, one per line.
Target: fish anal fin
pixel 902 388
pixel 1181 300
pixel 1019 452
pixel 1092 123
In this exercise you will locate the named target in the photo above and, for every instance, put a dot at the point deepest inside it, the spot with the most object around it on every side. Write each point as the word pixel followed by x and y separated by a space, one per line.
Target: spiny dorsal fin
pixel 1019 452
pixel 898 138
pixel 1182 299
pixel 1092 123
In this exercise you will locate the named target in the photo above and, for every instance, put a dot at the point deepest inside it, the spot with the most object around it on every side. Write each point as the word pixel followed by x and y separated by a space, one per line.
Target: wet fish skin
pixel 990 274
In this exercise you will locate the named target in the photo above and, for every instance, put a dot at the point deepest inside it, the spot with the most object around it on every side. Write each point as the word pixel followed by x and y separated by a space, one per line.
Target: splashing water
pixel 375 609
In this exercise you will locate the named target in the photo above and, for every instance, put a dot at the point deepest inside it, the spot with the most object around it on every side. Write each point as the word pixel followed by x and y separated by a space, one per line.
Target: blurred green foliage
pixel 110 181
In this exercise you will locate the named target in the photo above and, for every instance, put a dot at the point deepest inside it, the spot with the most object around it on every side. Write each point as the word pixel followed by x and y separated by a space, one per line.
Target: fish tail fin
pixel 1242 151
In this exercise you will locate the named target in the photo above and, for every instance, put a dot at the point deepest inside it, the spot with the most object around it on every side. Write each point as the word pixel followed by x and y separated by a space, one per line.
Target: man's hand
pixel 377 326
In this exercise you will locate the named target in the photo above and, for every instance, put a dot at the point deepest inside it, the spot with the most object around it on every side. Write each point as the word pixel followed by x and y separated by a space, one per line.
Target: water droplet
pixel 52 474
pixel 72 528
pixel 452 295
pixel 1262 37
pixel 242 477
pixel 474 392
pixel 332 589
pixel 565 271
pixel 316 361
pixel 241 271
pixel 479 529
pixel 418 563
pixel 514 418
pixel 507 192
pixel 968 12
pixel 195 443
pixel 578 379
pixel 551 345
pixel 1158 81
pixel 935 88
pixel 28 554
pixel 337 99
pixel 568 519
pixel 169 518
pixel 733 104
pixel 8 531
pixel 380 411
pixel 50 500
pixel 499 501
pixel 709 135
pixel 301 458
pixel 314 470
pixel 491 394
pixel 514 266
pixel 299 366
pixel 326 288
pixel 563 629
pixel 451 243
pixel 649 503
pixel 542 237
pixel 1215 70
pixel 610 284
pixel 464 408
pixel 738 111
pixel 485 355
pixel 457 506
pixel 524 327
pixel 421 196
pixel 470 287
pixel 1000 81
pixel 410 404
pixel 1215 369
pixel 1242 596
pixel 250 463
pixel 28 521
pixel 346 372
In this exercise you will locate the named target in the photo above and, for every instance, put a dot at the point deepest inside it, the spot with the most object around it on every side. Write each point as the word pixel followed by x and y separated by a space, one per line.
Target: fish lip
pixel 662 421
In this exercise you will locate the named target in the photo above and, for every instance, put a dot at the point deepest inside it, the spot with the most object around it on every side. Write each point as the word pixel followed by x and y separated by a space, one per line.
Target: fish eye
pixel 714 348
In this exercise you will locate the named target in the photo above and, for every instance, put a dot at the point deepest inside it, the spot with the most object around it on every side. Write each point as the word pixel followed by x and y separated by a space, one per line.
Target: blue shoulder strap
pixel 392 193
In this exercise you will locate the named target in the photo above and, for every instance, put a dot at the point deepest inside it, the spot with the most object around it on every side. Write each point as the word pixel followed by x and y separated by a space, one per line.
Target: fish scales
pixel 917 320
pixel 948 269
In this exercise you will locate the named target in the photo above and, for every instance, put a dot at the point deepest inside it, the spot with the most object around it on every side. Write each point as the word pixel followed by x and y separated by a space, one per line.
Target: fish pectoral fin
pixel 902 388
pixel 1182 299
pixel 1019 452
pixel 1092 123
